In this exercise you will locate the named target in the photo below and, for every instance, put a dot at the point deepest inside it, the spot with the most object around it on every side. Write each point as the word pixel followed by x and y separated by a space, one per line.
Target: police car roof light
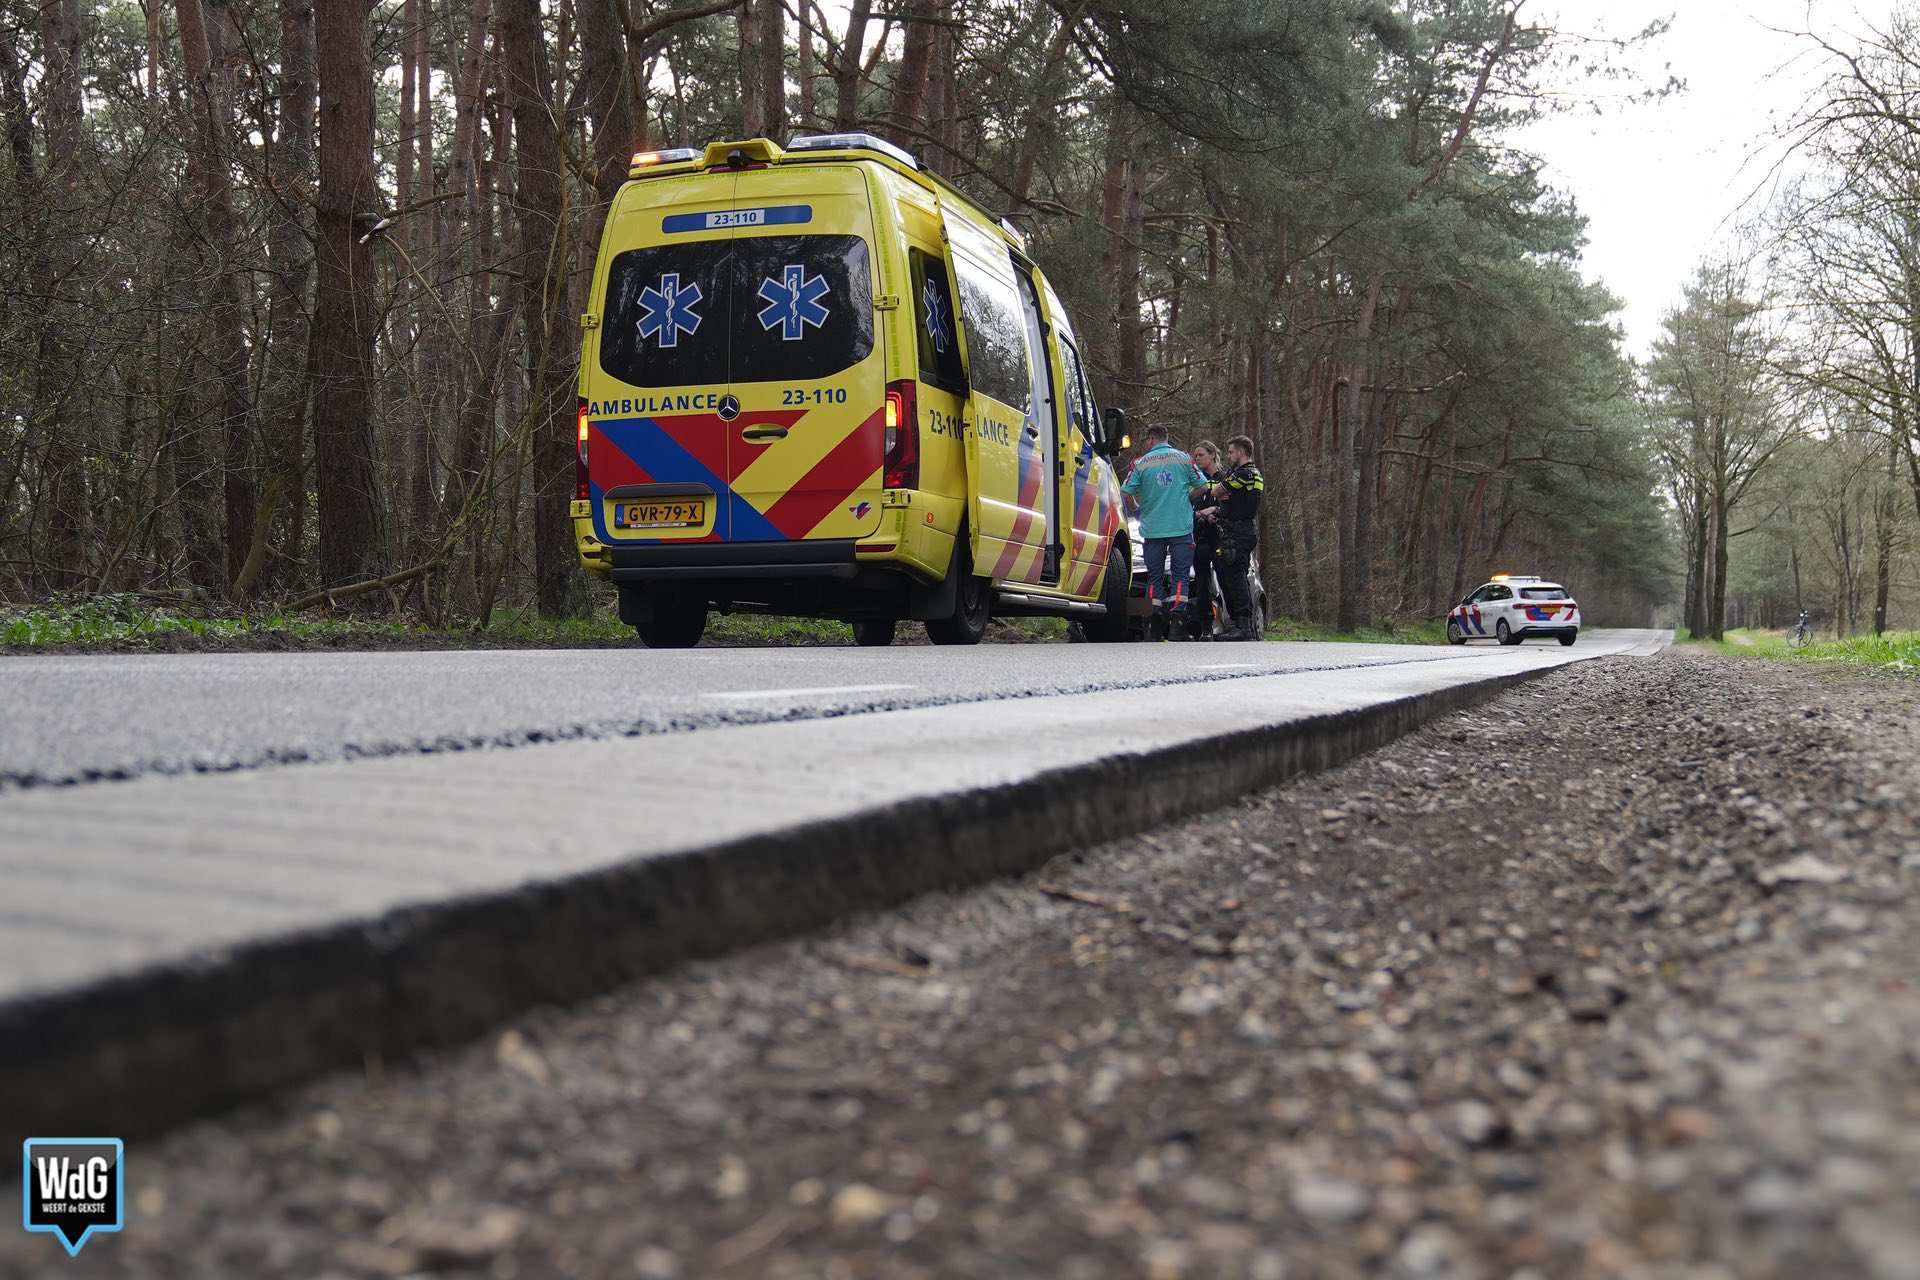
pixel 852 142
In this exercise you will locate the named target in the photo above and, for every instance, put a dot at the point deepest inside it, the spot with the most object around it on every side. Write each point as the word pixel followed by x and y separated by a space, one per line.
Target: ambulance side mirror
pixel 1113 433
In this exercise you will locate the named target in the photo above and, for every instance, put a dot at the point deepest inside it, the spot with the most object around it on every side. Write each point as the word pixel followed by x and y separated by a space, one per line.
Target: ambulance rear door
pixel 748 333
pixel 1007 503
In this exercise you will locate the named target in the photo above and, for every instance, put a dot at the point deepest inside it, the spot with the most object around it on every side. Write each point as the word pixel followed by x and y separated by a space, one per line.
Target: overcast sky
pixel 1663 183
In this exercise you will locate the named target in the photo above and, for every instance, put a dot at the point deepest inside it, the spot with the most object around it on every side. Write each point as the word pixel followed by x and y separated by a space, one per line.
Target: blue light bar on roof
pixel 852 142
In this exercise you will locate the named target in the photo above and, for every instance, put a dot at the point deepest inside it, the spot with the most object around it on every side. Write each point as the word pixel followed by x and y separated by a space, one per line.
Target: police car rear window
pixel 748 309
pixel 1543 593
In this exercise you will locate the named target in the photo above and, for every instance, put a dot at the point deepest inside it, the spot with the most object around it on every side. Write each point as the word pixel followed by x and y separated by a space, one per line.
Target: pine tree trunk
pixel 1355 499
pixel 550 338
pixel 290 260
pixel 1717 598
pixel 907 116
pixel 54 377
pixel 352 533
pixel 807 71
pixel 772 45
pixel 1885 524
pixel 422 505
pixel 213 222
pixel 846 75
pixel 753 99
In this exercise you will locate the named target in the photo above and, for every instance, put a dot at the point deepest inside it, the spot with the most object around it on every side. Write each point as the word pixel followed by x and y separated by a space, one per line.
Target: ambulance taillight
pixel 900 467
pixel 580 455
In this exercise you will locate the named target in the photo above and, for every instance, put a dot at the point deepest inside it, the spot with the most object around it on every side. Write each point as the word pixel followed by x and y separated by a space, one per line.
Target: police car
pixel 1510 608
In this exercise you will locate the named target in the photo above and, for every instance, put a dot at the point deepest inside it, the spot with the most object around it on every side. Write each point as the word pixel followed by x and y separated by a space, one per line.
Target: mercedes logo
pixel 729 407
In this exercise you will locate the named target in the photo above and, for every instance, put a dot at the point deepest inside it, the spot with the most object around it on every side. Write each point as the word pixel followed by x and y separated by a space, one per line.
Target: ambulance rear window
pixel 745 309
pixel 1543 593
pixel 937 335
pixel 996 337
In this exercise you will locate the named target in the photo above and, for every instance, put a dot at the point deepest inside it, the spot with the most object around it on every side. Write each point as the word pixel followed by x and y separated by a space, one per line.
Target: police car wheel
pixel 875 633
pixel 1502 630
pixel 1567 638
pixel 1114 626
pixel 1454 634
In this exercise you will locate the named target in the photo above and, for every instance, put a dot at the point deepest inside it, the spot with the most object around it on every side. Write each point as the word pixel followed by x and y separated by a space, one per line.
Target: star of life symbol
pixel 937 327
pixel 667 311
pixel 793 302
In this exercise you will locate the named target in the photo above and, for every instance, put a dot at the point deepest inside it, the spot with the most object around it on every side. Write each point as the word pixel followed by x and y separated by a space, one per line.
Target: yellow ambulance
pixel 819 380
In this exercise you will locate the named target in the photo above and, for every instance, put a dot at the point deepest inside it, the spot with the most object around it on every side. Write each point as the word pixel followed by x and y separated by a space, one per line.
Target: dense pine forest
pixel 293 288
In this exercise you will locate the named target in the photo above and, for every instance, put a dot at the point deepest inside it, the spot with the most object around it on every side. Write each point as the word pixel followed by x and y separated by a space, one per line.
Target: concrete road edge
pixel 142 1053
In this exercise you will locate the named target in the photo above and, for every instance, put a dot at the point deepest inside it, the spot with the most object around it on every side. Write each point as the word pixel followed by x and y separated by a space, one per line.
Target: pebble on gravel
pixel 1330 1199
pixel 859 1205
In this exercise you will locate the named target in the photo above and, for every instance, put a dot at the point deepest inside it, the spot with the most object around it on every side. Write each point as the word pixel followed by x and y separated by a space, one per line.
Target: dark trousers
pixel 1233 563
pixel 1206 554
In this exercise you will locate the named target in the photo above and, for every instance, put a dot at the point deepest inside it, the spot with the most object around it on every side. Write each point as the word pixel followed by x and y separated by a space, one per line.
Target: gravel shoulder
pixel 1666 1026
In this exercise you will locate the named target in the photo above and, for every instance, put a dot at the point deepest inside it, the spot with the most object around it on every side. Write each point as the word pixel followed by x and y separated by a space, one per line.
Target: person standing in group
pixel 1161 484
pixel 1206 541
pixel 1239 492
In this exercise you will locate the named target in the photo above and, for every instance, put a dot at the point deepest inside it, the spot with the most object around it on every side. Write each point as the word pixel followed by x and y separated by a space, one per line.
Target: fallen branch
pixel 331 596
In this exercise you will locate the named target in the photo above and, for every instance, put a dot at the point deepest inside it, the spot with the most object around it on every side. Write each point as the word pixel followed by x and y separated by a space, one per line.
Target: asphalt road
pixel 76 719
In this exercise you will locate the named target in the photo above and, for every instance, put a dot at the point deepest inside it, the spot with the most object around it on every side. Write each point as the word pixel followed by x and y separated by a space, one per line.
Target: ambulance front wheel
pixel 1454 634
pixel 1111 628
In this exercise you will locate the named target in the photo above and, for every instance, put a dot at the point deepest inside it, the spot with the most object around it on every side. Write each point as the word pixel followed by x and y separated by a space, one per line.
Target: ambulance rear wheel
pixel 673 623
pixel 875 633
pixel 1111 627
pixel 1454 634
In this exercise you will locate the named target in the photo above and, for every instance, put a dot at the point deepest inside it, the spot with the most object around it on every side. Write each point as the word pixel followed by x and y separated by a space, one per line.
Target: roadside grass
pixel 1423 631
pixel 122 623
pixel 131 623
pixel 1893 651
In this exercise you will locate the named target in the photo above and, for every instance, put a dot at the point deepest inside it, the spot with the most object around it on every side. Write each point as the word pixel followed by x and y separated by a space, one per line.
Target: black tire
pixel 674 624
pixel 1454 634
pixel 973 607
pixel 1112 627
pixel 875 633
pixel 1504 633
pixel 1567 639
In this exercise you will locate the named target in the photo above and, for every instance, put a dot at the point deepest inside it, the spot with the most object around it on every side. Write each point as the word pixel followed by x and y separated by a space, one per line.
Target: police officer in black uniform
pixel 1206 541
pixel 1239 492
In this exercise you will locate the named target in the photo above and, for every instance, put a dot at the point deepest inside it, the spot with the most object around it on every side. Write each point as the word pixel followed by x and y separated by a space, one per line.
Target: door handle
pixel 1033 432
pixel 764 433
